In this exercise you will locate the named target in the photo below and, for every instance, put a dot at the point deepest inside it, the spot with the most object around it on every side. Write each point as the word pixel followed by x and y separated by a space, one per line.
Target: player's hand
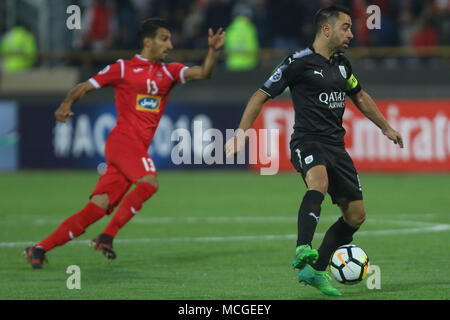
pixel 216 41
pixel 235 144
pixel 394 136
pixel 63 112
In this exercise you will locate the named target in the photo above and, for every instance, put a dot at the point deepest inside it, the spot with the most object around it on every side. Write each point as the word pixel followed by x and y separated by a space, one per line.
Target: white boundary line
pixel 378 219
pixel 425 229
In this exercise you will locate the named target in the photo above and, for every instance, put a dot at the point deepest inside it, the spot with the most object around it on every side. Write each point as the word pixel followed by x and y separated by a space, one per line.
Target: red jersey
pixel 141 88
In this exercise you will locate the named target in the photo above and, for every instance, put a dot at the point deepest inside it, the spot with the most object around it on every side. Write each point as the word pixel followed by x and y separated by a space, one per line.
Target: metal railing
pixel 87 59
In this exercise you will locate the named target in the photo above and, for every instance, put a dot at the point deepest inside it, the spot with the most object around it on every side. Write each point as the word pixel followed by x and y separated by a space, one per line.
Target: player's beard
pixel 157 53
pixel 337 45
pixel 164 55
pixel 345 45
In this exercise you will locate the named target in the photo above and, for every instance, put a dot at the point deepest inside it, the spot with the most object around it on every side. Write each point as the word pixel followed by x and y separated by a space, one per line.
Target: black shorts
pixel 343 179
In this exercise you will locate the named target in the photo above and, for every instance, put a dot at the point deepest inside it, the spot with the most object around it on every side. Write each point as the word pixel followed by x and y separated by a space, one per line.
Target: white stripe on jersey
pixel 94 83
pixel 167 71
pixel 268 94
pixel 182 75
pixel 140 57
pixel 302 53
pixel 122 68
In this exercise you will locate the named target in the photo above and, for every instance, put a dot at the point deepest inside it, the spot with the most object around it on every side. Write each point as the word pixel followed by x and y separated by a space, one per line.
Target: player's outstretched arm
pixel 368 107
pixel 215 42
pixel 76 93
pixel 251 112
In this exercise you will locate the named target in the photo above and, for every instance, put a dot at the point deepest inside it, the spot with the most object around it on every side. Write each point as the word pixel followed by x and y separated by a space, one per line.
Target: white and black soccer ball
pixel 349 264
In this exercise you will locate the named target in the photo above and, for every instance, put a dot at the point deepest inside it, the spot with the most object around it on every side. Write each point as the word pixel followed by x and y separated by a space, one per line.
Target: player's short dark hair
pixel 150 26
pixel 328 15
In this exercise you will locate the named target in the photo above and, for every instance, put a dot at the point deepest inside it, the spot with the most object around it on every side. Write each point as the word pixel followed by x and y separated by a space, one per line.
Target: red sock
pixel 130 205
pixel 73 226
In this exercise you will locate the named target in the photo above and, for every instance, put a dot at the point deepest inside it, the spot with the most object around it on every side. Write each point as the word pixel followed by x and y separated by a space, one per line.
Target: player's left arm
pixel 368 107
pixel 215 42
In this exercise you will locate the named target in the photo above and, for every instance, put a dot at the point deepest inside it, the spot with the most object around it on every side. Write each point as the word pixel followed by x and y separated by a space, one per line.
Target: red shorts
pixel 126 162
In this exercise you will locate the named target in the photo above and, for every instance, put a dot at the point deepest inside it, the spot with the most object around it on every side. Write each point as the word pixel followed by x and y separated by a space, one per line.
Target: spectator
pixel 359 16
pixel 128 25
pixel 100 26
pixel 285 24
pixel 241 44
pixel 192 28
pixel 142 8
pixel 18 48
pixel 218 14
pixel 261 20
pixel 308 10
pixel 426 35
pixel 385 36
pixel 406 28
pixel 441 12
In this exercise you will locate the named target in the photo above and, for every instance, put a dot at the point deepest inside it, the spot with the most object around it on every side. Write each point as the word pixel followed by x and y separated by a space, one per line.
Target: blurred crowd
pixel 250 26
pixel 287 24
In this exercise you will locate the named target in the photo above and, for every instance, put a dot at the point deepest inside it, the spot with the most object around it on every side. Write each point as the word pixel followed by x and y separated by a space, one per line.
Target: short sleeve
pixel 278 81
pixel 175 71
pixel 353 86
pixel 285 75
pixel 111 75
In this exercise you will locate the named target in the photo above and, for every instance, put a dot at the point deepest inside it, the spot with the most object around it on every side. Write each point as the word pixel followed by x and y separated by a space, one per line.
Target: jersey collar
pixel 331 61
pixel 142 59
pixel 319 55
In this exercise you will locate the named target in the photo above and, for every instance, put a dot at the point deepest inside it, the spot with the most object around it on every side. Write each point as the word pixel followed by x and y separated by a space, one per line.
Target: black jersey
pixel 318 88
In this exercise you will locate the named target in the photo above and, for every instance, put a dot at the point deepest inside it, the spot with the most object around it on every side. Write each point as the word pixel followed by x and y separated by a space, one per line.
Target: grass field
pixel 221 235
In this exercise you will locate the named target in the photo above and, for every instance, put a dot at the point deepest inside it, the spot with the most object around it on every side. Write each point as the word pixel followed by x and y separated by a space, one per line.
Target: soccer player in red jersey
pixel 142 86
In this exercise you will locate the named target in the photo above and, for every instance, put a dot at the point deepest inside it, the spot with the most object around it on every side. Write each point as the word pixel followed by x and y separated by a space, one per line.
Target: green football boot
pixel 317 279
pixel 304 255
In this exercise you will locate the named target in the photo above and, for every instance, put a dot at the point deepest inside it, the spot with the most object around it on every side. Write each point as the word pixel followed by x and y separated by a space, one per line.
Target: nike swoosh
pixel 339 255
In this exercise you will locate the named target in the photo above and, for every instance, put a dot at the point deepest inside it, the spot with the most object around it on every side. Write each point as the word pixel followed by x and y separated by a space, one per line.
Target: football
pixel 349 264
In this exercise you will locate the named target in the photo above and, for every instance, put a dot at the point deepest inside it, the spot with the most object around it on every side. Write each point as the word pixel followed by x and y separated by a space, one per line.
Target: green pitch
pixel 221 235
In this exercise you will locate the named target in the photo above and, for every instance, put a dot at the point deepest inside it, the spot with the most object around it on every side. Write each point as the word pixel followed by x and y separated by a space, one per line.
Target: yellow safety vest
pixel 18 49
pixel 241 45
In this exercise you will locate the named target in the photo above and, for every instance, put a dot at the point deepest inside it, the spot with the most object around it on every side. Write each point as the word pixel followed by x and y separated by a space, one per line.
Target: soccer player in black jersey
pixel 319 78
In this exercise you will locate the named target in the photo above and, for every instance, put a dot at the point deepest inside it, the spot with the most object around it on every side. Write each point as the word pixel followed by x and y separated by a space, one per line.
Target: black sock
pixel 308 216
pixel 338 234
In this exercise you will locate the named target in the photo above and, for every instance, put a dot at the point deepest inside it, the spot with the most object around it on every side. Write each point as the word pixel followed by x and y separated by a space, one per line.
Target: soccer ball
pixel 349 264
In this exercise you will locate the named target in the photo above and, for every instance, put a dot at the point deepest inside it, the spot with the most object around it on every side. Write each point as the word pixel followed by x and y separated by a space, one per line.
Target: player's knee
pixel 101 200
pixel 320 184
pixel 155 184
pixel 356 220
pixel 361 218
pixel 151 179
pixel 317 179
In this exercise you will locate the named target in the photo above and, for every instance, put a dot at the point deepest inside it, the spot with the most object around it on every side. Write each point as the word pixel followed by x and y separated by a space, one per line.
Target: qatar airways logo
pixel 334 100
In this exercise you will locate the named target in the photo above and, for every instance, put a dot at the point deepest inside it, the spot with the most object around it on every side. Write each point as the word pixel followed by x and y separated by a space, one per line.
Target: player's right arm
pixel 76 93
pixel 273 87
pixel 111 75
pixel 251 112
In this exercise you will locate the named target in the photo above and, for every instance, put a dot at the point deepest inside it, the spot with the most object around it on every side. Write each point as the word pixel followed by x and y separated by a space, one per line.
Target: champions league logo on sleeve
pixel 276 76
pixel 105 70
